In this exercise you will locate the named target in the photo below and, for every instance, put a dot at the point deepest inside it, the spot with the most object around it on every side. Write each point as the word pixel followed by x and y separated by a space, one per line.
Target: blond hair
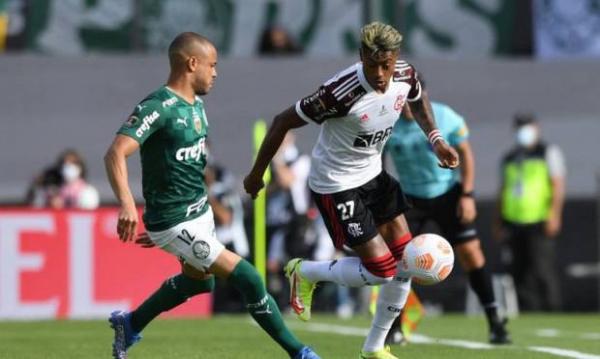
pixel 380 37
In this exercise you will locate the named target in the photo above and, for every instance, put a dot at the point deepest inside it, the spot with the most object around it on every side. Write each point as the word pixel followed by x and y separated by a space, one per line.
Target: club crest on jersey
pixel 201 249
pixel 354 229
pixel 197 121
pixel 364 117
pixel 197 124
pixel 399 103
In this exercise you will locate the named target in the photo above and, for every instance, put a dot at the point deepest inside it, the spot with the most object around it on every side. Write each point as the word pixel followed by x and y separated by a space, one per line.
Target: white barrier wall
pixel 48 104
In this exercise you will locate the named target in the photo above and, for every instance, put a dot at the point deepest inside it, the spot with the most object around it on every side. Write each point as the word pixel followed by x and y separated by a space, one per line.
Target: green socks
pixel 174 291
pixel 245 279
pixel 262 307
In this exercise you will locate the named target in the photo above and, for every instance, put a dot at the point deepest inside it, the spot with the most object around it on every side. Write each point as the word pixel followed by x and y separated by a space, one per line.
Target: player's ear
pixel 192 63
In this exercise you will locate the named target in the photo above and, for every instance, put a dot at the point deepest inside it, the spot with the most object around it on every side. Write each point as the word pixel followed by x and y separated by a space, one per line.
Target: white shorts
pixel 195 241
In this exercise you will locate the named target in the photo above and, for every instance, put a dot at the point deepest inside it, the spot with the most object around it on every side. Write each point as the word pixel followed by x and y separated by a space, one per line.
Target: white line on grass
pixel 567 353
pixel 415 338
pixel 591 336
pixel 554 333
pixel 423 339
pixel 548 332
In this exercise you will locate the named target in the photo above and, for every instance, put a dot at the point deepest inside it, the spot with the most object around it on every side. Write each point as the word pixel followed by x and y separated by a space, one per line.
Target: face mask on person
pixel 70 172
pixel 526 135
pixel 290 153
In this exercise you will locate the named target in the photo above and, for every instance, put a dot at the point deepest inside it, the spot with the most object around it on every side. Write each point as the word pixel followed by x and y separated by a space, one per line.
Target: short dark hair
pixel 183 42
pixel 524 118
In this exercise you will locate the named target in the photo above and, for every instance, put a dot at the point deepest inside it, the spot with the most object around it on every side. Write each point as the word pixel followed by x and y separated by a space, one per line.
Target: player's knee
pixel 470 256
pixel 193 272
pixel 379 270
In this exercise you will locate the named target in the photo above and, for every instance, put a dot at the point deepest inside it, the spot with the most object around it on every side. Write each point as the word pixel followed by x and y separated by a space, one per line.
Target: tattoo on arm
pixel 423 113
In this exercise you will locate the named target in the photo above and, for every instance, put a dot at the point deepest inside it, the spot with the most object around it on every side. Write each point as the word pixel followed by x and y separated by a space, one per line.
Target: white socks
pixel 391 300
pixel 345 271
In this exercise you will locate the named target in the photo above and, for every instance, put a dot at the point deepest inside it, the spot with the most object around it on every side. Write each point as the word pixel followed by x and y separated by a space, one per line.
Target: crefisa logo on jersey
pixel 194 152
pixel 146 123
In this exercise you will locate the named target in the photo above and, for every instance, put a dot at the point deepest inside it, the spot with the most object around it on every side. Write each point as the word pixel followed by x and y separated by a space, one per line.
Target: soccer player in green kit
pixel 170 127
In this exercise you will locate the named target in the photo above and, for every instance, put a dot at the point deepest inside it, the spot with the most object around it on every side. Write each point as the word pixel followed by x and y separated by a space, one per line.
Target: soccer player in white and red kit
pixel 362 205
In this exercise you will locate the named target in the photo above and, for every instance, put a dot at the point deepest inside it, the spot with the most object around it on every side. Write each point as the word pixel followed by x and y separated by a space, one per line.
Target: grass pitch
pixel 223 337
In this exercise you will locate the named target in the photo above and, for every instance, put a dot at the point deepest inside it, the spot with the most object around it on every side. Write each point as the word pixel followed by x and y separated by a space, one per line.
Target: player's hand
pixel 127 224
pixel 466 211
pixel 499 232
pixel 144 241
pixel 446 154
pixel 552 226
pixel 253 183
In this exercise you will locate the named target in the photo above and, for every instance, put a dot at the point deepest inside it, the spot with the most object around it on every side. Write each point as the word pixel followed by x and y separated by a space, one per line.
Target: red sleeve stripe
pixel 384 266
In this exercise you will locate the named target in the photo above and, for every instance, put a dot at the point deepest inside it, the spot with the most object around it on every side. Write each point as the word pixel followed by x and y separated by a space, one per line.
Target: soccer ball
pixel 428 258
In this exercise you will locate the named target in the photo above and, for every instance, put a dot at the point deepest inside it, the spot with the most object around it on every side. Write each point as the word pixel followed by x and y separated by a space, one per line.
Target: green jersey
pixel 172 134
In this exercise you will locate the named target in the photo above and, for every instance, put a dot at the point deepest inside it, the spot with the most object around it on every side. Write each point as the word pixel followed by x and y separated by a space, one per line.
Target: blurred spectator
pixel 289 229
pixel 64 185
pixel 3 24
pixel 226 204
pixel 276 41
pixel 227 208
pixel 530 204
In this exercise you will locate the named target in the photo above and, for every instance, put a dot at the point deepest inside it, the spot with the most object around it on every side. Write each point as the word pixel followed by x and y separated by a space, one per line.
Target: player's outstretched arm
pixel 115 162
pixel 423 113
pixel 282 123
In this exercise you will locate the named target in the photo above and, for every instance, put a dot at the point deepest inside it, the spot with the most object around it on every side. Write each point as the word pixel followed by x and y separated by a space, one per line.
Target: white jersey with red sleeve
pixel 356 123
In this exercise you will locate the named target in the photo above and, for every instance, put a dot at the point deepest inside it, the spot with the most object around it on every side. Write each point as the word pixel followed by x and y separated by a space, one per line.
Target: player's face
pixel 204 71
pixel 378 67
